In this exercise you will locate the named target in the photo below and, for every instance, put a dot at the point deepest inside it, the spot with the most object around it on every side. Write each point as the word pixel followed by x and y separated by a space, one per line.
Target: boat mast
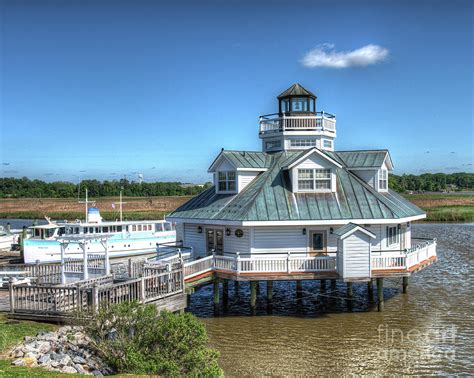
pixel 86 202
pixel 121 203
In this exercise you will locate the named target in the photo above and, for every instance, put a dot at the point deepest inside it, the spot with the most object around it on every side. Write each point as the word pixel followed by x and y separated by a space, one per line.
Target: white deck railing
pixel 404 259
pixel 388 260
pixel 320 122
pixel 238 265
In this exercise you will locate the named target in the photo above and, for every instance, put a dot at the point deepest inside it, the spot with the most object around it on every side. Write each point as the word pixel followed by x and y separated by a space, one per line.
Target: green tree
pixel 134 338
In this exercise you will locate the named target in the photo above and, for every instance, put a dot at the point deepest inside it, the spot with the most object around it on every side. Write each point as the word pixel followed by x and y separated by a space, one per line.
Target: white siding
pixel 179 231
pixel 233 244
pixel 356 256
pixel 279 240
pixel 289 239
pixel 194 239
pixel 380 242
pixel 368 175
pixel 245 178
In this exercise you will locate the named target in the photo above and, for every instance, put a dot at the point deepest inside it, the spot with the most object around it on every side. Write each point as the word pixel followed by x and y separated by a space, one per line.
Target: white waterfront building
pixel 302 209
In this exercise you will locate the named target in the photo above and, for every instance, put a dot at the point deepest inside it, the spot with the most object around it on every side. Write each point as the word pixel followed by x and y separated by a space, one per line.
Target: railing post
pixel 12 295
pixel 130 267
pixel 168 268
pixel 142 290
pixel 95 298
pixel 288 263
pixel 237 262
pixel 37 272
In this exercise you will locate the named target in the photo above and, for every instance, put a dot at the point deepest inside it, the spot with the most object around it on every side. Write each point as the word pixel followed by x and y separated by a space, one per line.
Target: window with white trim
pixel 226 181
pixel 302 142
pixel 314 179
pixel 383 179
pixel 327 143
pixel 392 235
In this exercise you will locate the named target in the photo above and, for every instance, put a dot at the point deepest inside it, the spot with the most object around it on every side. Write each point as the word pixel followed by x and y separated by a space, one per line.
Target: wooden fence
pixel 87 296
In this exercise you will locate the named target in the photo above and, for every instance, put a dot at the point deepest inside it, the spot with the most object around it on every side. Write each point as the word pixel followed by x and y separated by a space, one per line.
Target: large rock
pixel 69 370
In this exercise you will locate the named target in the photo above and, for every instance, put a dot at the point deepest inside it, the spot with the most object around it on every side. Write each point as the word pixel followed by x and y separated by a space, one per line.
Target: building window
pixel 270 145
pixel 299 104
pixel 227 182
pixel 327 143
pixel 314 179
pixel 392 235
pixel 302 142
pixel 383 179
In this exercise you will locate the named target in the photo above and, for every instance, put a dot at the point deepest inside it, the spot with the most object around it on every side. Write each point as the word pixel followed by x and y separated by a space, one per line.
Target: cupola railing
pixel 320 121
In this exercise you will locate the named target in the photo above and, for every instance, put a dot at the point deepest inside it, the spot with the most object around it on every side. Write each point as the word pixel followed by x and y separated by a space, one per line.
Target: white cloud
pixel 326 56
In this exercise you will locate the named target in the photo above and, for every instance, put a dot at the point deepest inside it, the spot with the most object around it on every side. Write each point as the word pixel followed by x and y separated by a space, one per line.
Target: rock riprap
pixel 67 350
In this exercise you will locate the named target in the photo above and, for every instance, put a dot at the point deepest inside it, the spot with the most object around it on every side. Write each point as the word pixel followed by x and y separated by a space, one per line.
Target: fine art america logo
pixel 409 346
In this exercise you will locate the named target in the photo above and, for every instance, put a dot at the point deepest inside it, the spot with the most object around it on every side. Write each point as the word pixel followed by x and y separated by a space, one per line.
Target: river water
pixel 428 331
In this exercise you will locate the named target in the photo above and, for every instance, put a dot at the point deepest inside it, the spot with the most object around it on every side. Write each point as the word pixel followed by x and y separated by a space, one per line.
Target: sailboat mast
pixel 86 202
pixel 120 205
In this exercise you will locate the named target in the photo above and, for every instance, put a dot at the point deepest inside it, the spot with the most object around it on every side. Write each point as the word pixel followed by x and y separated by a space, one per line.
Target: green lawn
pixel 451 214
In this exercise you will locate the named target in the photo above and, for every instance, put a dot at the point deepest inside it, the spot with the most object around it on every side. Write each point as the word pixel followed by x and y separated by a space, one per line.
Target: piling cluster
pixel 67 350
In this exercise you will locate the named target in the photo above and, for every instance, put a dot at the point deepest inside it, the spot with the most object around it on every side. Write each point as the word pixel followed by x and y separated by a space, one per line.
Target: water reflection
pixel 427 331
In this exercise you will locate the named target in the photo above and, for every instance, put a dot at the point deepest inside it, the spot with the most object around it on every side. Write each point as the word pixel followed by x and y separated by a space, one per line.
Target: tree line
pixel 23 187
pixel 432 182
pixel 17 188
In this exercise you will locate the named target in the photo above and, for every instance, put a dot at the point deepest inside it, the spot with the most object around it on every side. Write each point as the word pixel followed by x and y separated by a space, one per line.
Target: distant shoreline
pixel 440 207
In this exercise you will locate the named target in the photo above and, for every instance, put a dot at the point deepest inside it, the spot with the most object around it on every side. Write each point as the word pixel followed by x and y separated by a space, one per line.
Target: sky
pixel 107 89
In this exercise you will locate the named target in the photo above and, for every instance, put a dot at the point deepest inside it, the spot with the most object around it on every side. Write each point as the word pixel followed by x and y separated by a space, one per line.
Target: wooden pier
pixel 56 291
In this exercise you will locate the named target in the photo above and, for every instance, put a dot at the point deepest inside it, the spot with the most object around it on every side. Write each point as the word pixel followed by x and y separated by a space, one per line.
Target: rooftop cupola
pixel 297 125
pixel 296 100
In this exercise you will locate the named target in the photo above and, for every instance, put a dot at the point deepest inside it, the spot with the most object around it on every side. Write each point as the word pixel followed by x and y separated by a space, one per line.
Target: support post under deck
pixel 370 290
pixel 350 292
pixel 380 293
pixel 322 284
pixel 299 289
pixel 225 292
pixel 269 291
pixel 253 295
pixel 405 285
pixel 216 293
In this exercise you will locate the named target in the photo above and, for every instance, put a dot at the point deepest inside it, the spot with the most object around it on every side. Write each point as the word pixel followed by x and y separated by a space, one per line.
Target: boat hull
pixel 49 251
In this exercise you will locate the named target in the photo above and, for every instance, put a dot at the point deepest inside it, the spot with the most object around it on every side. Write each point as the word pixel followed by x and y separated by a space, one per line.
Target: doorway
pixel 215 241
pixel 317 243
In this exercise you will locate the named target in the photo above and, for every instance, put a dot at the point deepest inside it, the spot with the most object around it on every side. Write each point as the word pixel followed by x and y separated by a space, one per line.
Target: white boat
pixel 125 238
pixel 7 239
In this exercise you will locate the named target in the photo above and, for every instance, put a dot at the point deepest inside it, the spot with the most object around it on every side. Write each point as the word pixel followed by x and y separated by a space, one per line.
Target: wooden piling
pixel 333 284
pixel 299 289
pixel 322 284
pixel 350 292
pixel 380 293
pixel 225 292
pixel 405 285
pixel 370 290
pixel 216 293
pixel 253 295
pixel 269 291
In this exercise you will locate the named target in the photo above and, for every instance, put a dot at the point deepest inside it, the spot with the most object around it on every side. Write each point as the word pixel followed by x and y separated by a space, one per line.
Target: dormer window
pixel 226 181
pixel 383 179
pixel 314 179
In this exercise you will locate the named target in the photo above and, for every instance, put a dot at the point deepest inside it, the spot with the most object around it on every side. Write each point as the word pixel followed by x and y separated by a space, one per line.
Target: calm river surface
pixel 428 331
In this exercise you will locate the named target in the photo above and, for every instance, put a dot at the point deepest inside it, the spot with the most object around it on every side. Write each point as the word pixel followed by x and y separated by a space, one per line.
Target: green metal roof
pixel 349 227
pixel 245 159
pixel 296 90
pixel 363 159
pixel 269 198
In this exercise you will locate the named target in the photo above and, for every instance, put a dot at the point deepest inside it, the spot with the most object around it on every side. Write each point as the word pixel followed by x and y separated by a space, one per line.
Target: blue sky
pixel 105 89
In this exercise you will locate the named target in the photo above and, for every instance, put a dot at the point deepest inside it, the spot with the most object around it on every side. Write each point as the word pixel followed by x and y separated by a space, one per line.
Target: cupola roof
pixel 296 90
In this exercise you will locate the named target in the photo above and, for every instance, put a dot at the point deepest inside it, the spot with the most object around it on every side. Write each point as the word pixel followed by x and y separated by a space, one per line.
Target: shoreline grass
pixel 440 207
